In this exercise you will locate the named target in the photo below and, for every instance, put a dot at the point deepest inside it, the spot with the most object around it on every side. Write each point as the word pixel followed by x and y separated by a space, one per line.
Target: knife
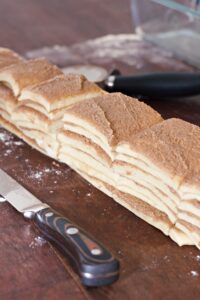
pixel 94 264
pixel 154 85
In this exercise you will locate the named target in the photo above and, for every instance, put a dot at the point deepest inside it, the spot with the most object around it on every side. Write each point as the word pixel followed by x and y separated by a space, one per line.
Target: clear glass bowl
pixel 173 25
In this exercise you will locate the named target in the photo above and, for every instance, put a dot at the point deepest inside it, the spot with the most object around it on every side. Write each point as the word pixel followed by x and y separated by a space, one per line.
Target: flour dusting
pixel 194 273
pixel 5 137
pixel 7 152
pixel 54 163
pixel 166 258
pixel 58 172
pixel 10 144
pixel 19 143
pixel 198 258
pixel 39 173
pixel 153 265
pixel 37 242
pixel 36 175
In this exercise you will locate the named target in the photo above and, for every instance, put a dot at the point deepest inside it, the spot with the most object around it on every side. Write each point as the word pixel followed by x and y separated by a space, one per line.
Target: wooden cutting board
pixel 152 266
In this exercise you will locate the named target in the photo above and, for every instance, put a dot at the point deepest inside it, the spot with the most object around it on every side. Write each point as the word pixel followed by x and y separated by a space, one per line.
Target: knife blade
pixel 91 260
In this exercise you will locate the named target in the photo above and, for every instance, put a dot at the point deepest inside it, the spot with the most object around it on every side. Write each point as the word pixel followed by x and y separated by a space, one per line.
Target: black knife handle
pixel 165 85
pixel 94 264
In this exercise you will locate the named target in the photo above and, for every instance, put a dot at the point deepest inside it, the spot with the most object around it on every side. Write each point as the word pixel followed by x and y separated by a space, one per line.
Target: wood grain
pixel 152 266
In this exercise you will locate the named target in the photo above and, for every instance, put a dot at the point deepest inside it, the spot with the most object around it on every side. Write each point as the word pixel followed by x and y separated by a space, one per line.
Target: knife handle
pixel 94 264
pixel 165 85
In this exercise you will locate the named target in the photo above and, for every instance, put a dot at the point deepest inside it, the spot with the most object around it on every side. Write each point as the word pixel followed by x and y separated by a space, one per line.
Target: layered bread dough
pixel 140 162
pixel 13 129
pixel 8 58
pixel 41 107
pixel 8 101
pixel 160 159
pixel 119 144
pixel 21 75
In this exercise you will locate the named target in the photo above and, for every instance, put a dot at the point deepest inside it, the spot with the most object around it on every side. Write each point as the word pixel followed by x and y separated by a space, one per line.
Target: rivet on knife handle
pixel 95 265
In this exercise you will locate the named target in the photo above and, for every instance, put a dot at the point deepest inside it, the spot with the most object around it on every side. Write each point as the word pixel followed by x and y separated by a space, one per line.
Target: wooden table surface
pixel 152 266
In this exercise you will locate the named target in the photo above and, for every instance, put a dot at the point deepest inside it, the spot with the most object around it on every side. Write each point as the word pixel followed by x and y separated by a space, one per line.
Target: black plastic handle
pixel 165 85
pixel 94 264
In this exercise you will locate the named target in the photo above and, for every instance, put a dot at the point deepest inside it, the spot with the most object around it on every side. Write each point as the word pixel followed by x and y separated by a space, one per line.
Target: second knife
pixel 150 85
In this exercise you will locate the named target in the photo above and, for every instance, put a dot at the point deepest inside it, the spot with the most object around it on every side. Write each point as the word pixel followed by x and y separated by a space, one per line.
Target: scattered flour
pixel 37 175
pixel 14 143
pixel 4 137
pixel 166 258
pixel 198 258
pixel 37 242
pixel 54 163
pixel 194 273
pixel 9 141
pixel 58 172
pixel 7 152
pixel 19 143
pixel 11 144
pixel 153 265
pixel 42 172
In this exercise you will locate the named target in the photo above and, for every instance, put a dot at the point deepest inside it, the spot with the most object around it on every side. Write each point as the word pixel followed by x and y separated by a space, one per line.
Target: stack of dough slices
pixel 7 100
pixel 41 107
pixel 39 93
pixel 92 129
pixel 156 166
pixel 123 147
pixel 15 75
pixel 119 144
